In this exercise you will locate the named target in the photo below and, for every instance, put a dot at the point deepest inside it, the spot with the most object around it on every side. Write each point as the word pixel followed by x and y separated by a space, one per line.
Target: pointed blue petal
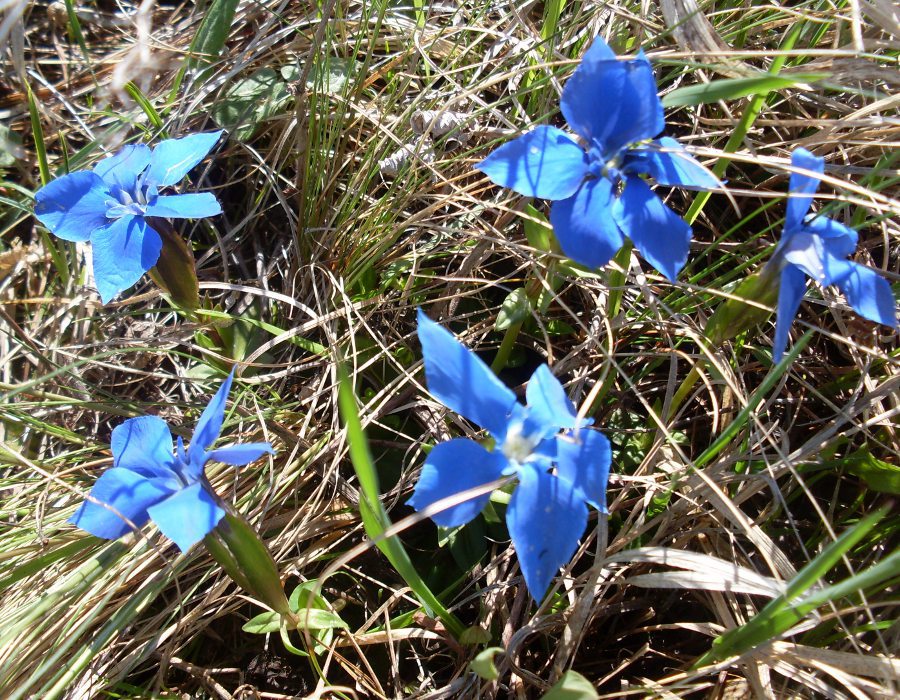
pixel 584 462
pixel 453 467
pixel 188 515
pixel 548 403
pixel 239 455
pixel 546 517
pixel 612 103
pixel 790 294
pixel 839 240
pixel 171 160
pixel 661 236
pixel 196 205
pixel 870 295
pixel 461 381
pixel 809 252
pixel 674 168
pixel 545 163
pixel 143 445
pixel 123 251
pixel 73 206
pixel 126 492
pixel 801 187
pixel 123 167
pixel 209 426
pixel 584 226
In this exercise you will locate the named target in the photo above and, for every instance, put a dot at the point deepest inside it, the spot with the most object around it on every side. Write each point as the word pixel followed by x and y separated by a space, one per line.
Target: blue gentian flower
pixel 817 247
pixel 560 465
pixel 148 482
pixel 108 206
pixel 598 195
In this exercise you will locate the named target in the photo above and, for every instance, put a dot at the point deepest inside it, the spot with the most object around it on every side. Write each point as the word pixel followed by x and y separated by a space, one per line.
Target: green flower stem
pixel 506 345
pixel 234 544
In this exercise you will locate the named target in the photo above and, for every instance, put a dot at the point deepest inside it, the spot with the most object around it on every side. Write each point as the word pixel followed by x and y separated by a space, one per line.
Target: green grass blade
pixel 135 93
pixel 783 612
pixel 734 88
pixel 211 36
pixel 375 518
pixel 741 419
pixel 37 133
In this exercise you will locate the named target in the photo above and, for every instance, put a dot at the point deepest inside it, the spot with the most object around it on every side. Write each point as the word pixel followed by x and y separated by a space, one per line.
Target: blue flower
pixel 817 247
pixel 559 468
pixel 599 197
pixel 147 481
pixel 108 206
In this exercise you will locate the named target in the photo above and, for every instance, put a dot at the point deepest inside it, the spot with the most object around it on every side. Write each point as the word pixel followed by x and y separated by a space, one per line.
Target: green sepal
pixel 734 315
pixel 175 271
pixel 240 551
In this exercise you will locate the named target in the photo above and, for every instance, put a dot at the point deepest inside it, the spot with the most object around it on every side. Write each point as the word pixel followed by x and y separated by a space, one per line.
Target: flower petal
pixel 123 167
pixel 790 294
pixel 196 205
pixel 545 163
pixel 171 160
pixel 548 404
pixel 584 226
pixel 810 253
pixel 239 455
pixel 801 187
pixel 661 236
pixel 123 251
pixel 838 239
pixel 143 445
pixel 584 462
pixel 210 424
pixel 546 517
pixel 675 167
pixel 612 103
pixel 126 492
pixel 452 467
pixel 461 381
pixel 73 206
pixel 870 295
pixel 188 515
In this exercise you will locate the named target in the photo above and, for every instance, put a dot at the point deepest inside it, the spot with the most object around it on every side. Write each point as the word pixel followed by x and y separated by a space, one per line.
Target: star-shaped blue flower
pixel 148 482
pixel 598 195
pixel 108 206
pixel 817 247
pixel 560 466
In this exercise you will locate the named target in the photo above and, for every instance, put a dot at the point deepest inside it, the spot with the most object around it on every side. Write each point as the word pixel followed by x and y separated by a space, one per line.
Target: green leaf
pixel 539 233
pixel 514 309
pixel 572 686
pixel 733 88
pixel 211 36
pixel 785 611
pixel 249 102
pixel 308 618
pixel 483 664
pixel 878 475
pixel 263 623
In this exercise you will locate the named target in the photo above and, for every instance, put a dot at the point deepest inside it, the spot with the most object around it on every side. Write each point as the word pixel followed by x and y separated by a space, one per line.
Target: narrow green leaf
pixel 784 611
pixel 734 88
pixel 212 34
pixel 37 133
pixel 263 623
pixel 572 686
pixel 374 516
pixel 539 235
pixel 144 103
